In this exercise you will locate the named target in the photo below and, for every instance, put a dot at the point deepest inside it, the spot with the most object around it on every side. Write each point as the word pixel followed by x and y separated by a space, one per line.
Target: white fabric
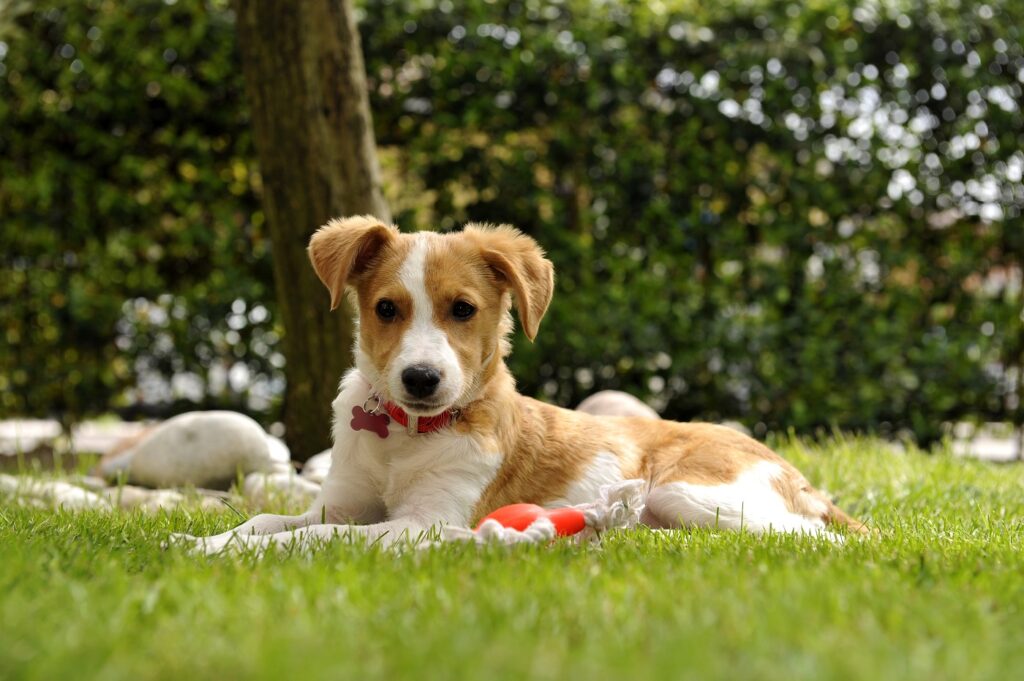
pixel 618 506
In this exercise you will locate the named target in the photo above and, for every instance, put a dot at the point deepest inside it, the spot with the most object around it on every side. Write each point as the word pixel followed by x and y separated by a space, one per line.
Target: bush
pixel 130 217
pixel 795 217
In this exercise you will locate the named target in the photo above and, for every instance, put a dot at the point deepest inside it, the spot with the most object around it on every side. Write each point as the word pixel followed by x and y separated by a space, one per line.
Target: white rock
pixel 278 450
pixel 103 436
pixel 262 488
pixel 162 500
pixel 126 496
pixel 24 435
pixel 10 488
pixel 316 468
pixel 615 403
pixel 54 493
pixel 8 483
pixel 62 494
pixel 202 448
pixel 280 455
pixel 282 467
pixel 130 496
pixel 212 504
pixel 91 483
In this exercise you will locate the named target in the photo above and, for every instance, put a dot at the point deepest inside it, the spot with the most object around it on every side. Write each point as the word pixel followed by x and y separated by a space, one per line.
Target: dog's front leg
pixel 426 500
pixel 385 534
pixel 271 523
pixel 262 524
pixel 349 495
pixel 343 499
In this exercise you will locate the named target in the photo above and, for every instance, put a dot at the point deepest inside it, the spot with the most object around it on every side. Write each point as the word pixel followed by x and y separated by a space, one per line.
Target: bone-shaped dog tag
pixel 364 420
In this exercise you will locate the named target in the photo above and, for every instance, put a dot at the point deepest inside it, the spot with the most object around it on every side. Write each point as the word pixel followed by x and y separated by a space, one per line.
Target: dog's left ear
pixel 518 262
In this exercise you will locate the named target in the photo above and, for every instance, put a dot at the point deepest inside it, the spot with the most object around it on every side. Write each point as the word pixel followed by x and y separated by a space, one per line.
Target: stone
pixel 25 435
pixel 130 496
pixel 201 449
pixel 316 468
pixel 90 482
pixel 8 484
pixel 65 495
pixel 117 456
pixel 616 403
pixel 280 455
pixel 101 436
pixel 126 496
pixel 265 488
pixel 51 493
pixel 162 500
pixel 278 450
pixel 212 504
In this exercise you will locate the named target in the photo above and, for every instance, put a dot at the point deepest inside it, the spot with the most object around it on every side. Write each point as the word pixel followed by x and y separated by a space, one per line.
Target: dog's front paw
pixel 200 545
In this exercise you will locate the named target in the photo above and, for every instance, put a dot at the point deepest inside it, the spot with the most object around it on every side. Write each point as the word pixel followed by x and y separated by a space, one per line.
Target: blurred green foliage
pixel 794 214
pixel 128 211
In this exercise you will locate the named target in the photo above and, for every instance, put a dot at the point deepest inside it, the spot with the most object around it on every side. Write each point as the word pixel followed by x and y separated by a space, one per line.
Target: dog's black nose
pixel 421 380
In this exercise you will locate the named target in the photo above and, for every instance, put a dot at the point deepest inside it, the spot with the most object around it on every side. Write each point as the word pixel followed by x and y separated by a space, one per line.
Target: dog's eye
pixel 462 310
pixel 386 309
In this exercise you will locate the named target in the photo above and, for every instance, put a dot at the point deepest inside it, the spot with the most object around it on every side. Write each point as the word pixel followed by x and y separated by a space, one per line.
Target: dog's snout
pixel 421 380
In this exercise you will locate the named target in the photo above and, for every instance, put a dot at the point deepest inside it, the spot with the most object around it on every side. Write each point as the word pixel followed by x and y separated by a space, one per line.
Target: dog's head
pixel 433 308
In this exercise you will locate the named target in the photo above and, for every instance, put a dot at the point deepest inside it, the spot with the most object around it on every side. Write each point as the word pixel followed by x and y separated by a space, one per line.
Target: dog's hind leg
pixel 754 500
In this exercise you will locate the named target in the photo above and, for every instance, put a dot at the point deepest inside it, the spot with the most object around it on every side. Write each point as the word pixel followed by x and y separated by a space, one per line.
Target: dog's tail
pixel 837 517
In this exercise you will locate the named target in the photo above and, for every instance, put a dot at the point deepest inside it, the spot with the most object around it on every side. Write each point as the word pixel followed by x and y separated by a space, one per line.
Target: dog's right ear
pixel 344 248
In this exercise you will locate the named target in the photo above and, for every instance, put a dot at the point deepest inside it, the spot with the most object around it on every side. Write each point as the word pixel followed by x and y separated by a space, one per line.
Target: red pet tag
pixel 364 420
pixel 567 521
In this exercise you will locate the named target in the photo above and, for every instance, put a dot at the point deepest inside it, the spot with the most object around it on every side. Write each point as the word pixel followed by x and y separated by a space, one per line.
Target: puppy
pixel 429 429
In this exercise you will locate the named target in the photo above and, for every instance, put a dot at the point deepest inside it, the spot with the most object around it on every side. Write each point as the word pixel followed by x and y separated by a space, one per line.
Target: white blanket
pixel 618 506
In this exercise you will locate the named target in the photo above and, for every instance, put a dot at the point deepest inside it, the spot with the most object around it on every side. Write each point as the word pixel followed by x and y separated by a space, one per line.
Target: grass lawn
pixel 937 594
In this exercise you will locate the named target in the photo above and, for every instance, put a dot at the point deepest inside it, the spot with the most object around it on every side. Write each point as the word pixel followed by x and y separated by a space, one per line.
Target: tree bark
pixel 306 83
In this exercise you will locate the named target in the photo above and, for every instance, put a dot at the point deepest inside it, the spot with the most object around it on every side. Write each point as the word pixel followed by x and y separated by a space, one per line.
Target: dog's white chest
pixel 441 474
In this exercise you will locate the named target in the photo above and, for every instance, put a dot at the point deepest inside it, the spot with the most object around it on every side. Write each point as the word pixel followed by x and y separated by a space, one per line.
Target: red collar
pixel 423 424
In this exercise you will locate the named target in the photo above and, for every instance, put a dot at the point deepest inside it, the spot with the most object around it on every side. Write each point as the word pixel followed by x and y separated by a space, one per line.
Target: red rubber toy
pixel 567 521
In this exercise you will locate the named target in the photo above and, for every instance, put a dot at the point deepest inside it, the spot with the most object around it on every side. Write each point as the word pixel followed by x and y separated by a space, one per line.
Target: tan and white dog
pixel 429 429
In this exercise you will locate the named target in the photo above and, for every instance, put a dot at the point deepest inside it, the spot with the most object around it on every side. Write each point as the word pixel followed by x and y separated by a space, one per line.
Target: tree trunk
pixel 306 83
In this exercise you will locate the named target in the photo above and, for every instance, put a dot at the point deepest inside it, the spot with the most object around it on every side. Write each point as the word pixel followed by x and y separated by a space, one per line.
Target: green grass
pixel 937 594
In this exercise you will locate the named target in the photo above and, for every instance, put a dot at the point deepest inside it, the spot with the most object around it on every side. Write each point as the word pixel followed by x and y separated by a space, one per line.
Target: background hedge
pixel 796 215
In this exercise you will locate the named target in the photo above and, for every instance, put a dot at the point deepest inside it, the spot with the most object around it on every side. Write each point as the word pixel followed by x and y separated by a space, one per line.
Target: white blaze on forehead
pixel 413 276
pixel 424 342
